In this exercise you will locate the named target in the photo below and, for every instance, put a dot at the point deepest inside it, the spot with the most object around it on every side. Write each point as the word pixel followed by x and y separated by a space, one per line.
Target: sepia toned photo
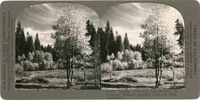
pixel 124 49
pixel 56 48
pixel 142 47
pixel 64 46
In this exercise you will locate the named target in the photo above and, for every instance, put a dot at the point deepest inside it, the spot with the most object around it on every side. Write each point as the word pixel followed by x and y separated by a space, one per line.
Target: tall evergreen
pixel 112 43
pixel 126 42
pixel 17 40
pixel 107 37
pixel 91 31
pixel 29 44
pixel 37 43
pixel 138 48
pixel 22 46
pixel 102 44
pixel 119 44
pixel 49 48
pixel 179 31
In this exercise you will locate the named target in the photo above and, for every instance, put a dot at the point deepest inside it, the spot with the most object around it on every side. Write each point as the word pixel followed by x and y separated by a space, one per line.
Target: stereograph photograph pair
pixel 100 49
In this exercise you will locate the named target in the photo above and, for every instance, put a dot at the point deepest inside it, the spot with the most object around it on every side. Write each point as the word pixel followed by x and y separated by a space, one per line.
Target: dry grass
pixel 142 77
pixel 56 77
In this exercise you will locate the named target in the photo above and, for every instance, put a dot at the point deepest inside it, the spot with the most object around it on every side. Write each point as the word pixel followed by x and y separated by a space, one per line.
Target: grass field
pixel 55 79
pixel 141 78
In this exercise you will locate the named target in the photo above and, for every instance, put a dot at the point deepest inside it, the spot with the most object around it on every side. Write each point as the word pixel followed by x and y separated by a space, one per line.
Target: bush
pixel 137 55
pixel 42 65
pixel 28 66
pixel 18 69
pixel 36 66
pixel 59 64
pixel 125 65
pixel 138 63
pixel 47 56
pixel 131 65
pixel 117 65
pixel 149 63
pixel 31 67
pixel 106 67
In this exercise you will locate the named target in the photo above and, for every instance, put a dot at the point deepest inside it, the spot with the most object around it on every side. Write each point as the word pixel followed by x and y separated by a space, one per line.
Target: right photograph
pixel 142 47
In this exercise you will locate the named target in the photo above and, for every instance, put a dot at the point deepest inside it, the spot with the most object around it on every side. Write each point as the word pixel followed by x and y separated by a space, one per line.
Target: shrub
pixel 117 65
pixel 31 67
pixel 119 55
pixel 137 55
pixel 28 66
pixel 25 65
pixel 128 55
pixel 106 67
pixel 125 65
pixel 47 56
pixel 144 65
pixel 59 64
pixel 18 69
pixel 149 63
pixel 138 63
pixel 30 56
pixel 131 65
pixel 39 56
pixel 42 65
pixel 36 66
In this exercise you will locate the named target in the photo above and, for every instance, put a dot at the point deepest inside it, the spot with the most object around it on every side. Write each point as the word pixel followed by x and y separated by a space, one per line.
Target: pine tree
pixel 29 44
pixel 22 43
pixel 107 37
pixel 37 42
pixel 126 42
pixel 17 41
pixel 102 44
pixel 112 43
pixel 180 32
pixel 91 31
pixel 119 44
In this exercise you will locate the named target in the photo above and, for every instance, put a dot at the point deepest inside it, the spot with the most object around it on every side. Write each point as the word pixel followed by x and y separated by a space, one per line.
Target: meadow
pixel 55 79
pixel 141 79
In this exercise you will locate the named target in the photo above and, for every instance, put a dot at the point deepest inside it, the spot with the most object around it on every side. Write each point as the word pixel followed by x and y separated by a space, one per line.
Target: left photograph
pixel 57 48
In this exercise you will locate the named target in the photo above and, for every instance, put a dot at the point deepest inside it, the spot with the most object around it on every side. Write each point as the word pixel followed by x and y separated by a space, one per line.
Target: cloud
pixel 133 35
pixel 128 17
pixel 44 36
pixel 40 18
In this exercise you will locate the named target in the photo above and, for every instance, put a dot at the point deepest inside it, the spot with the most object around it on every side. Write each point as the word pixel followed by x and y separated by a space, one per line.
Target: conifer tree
pixel 112 43
pixel 29 44
pixel 119 44
pixel 37 42
pixel 126 42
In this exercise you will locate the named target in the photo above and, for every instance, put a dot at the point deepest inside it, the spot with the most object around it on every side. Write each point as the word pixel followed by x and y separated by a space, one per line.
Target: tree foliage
pixel 119 44
pixel 126 42
pixel 158 38
pixel 20 41
pixel 70 35
pixel 37 42
pixel 180 32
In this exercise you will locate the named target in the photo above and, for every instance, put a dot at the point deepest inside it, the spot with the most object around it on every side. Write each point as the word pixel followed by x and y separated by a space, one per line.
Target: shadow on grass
pixel 21 86
pixel 64 87
pixel 125 86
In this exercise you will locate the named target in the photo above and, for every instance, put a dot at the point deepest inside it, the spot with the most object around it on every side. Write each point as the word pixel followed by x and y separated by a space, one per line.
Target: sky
pixel 128 17
pixel 40 18
pixel 124 18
